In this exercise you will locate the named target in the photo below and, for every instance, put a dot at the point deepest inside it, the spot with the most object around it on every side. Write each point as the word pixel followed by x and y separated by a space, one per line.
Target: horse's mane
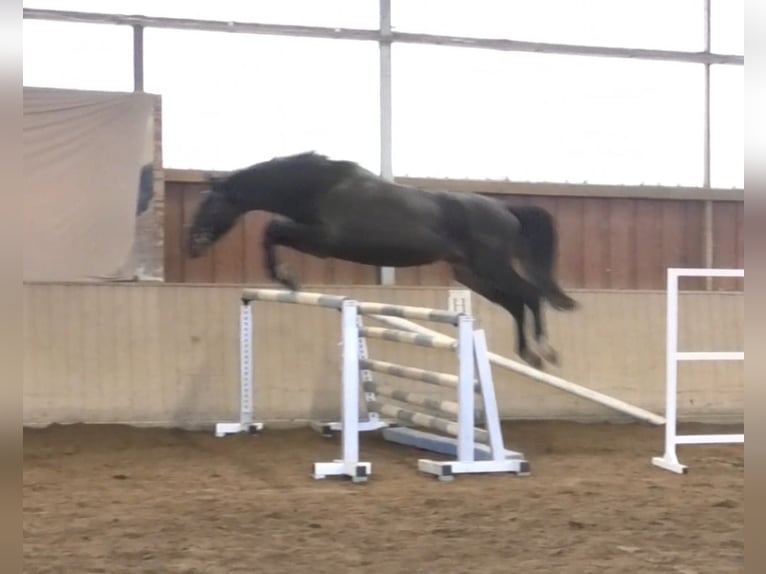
pixel 308 165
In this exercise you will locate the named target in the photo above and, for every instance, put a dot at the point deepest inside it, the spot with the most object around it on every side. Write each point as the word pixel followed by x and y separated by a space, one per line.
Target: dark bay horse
pixel 335 208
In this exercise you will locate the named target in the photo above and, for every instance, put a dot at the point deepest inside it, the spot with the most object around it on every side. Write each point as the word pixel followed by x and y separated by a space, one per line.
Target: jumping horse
pixel 338 209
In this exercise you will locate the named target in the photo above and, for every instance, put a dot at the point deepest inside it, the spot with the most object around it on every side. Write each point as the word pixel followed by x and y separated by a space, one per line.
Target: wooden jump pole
pixel 412 373
pixel 429 421
pixel 399 336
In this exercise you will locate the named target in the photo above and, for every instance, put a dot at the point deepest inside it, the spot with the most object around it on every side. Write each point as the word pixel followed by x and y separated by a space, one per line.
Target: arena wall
pixel 168 354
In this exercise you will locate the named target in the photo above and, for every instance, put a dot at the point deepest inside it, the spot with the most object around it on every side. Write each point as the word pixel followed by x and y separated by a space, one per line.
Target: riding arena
pixel 309 364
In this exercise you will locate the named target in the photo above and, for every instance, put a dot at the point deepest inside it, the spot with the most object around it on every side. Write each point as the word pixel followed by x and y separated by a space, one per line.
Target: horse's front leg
pixel 304 238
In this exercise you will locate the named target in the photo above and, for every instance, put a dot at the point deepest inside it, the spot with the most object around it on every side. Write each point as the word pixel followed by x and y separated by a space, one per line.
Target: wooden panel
pixel 228 256
pixel 570 213
pixel 596 243
pixel 649 271
pixel 253 226
pixel 168 354
pixel 694 241
pixel 673 218
pixel 199 270
pixel 728 242
pixel 622 244
pixel 436 274
pixel 173 213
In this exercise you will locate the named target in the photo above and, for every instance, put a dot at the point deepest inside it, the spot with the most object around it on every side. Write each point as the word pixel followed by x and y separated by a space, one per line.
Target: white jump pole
pixel 669 459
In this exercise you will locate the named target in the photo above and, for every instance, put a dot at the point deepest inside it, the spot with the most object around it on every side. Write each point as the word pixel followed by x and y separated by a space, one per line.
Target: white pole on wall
pixel 706 183
pixel 387 274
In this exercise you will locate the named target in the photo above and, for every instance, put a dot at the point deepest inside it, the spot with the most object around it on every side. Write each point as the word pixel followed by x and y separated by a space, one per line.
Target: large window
pixel 727 126
pixel 77 56
pixel 233 99
pixel 483 114
pixel 727 34
pixel 657 24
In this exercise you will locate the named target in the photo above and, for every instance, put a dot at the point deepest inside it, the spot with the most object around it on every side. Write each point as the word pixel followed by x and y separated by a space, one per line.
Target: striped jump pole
pixel 431 422
pixel 418 399
pixel 476 450
pixel 413 373
pixel 294 297
pixel 540 376
pixel 408 337
pixel 409 312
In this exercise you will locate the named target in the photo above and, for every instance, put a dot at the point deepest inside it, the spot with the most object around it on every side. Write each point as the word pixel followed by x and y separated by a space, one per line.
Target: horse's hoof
pixel 285 278
pixel 550 355
pixel 532 359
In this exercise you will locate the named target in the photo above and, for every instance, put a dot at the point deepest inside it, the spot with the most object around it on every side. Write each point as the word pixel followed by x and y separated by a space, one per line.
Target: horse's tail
pixel 538 231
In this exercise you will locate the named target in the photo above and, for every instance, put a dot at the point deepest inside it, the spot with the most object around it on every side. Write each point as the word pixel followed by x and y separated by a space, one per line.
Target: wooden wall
pixel 169 354
pixel 610 238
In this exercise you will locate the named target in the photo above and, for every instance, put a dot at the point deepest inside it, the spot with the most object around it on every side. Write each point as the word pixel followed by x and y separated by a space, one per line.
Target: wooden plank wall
pixel 605 243
pixel 153 353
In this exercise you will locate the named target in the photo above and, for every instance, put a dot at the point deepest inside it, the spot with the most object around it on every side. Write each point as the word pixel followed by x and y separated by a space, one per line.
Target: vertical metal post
pixel 465 390
pixel 350 390
pixel 138 58
pixel 708 214
pixel 245 365
pixel 387 274
pixel 671 367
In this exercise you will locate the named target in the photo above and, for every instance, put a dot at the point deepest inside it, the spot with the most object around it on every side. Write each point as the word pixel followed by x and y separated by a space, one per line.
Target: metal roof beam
pixel 504 45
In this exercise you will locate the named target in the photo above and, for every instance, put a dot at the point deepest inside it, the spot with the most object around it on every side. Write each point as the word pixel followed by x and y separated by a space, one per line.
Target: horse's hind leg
pixel 543 346
pixel 300 237
pixel 509 301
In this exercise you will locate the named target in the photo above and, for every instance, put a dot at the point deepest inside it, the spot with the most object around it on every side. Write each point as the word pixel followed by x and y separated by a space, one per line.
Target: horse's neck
pixel 291 197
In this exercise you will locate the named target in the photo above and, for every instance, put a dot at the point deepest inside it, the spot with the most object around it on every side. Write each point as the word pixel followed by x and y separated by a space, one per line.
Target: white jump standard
pixel 465 442
pixel 669 460
pixel 472 455
pixel 247 421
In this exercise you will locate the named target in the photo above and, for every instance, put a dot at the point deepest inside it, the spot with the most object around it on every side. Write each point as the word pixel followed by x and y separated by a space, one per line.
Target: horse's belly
pixel 388 255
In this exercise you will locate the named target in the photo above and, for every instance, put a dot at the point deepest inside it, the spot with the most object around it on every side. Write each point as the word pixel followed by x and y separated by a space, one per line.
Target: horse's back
pixel 487 215
pixel 365 195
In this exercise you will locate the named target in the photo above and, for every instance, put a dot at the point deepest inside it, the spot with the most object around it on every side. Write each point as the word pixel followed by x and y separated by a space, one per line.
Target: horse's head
pixel 215 215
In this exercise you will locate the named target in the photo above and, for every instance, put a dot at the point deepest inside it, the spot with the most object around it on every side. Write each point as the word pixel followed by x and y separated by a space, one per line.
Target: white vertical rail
pixel 348 465
pixel 246 363
pixel 671 368
pixel 706 183
pixel 669 459
pixel 350 415
pixel 387 274
pixel 465 392
pixel 246 421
